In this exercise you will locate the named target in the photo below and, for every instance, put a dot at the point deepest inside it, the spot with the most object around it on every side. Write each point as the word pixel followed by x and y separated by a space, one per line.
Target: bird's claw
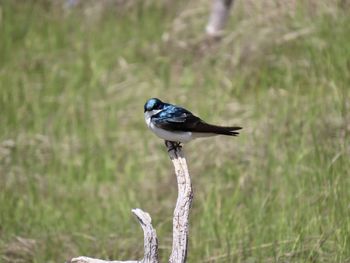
pixel 173 145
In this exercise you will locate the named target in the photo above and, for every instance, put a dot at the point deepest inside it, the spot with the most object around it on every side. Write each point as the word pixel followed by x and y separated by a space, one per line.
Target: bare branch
pixel 150 236
pixel 150 243
pixel 183 204
pixel 95 260
pixel 180 220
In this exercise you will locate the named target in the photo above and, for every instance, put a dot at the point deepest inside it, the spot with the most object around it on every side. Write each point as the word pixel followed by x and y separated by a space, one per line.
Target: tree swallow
pixel 176 124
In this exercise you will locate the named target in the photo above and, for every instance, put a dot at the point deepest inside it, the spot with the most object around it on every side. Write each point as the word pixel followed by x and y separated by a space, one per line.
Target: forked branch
pixel 180 219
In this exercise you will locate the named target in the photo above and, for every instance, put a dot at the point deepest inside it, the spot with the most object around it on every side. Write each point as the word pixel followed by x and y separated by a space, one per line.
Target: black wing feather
pixel 179 119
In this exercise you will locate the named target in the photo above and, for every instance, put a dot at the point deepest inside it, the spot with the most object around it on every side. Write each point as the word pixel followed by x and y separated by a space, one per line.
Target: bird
pixel 176 124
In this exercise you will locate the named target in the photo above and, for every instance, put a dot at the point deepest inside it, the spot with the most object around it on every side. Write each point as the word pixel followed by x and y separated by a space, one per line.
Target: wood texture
pixel 180 219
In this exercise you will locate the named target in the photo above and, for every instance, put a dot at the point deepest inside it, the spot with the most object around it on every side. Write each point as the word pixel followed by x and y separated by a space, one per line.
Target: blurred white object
pixel 219 14
pixel 71 3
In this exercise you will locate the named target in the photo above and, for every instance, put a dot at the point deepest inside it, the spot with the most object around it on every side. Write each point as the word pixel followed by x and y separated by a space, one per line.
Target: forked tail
pixel 203 127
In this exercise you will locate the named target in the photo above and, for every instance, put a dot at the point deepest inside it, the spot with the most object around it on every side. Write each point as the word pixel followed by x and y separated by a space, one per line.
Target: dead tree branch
pixel 180 219
pixel 150 243
pixel 183 204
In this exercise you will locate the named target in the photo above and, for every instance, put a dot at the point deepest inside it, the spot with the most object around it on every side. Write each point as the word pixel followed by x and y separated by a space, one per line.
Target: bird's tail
pixel 224 130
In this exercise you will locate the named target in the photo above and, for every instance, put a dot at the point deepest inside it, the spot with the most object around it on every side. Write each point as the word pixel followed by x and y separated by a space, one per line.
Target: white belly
pixel 175 136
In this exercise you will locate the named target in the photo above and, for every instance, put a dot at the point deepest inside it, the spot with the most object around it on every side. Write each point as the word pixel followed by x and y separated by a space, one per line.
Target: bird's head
pixel 153 104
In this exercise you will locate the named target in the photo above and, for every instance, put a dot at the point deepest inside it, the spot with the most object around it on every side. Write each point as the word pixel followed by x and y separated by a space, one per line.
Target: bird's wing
pixel 179 119
pixel 175 118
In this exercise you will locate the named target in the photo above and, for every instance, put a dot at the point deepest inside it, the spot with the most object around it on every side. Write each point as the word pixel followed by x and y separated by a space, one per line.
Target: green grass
pixel 75 154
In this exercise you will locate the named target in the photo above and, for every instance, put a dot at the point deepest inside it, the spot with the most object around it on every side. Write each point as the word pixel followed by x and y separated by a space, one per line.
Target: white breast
pixel 176 136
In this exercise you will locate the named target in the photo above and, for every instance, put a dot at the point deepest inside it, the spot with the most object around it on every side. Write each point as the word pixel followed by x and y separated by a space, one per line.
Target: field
pixel 76 156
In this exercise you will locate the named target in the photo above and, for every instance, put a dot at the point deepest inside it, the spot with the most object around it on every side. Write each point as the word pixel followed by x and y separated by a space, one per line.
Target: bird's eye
pixel 153 104
pixel 156 106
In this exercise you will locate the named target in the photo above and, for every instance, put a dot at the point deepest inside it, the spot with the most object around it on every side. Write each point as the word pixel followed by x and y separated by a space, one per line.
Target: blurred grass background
pixel 76 156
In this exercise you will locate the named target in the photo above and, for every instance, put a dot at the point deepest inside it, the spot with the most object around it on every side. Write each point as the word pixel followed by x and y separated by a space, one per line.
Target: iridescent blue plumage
pixel 171 118
pixel 171 113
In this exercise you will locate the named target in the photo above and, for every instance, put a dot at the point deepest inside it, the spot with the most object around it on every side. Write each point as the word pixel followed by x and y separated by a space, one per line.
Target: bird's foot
pixel 172 145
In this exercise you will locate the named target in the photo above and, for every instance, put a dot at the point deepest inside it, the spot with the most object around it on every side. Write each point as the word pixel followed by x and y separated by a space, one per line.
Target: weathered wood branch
pixel 180 220
pixel 220 12
pixel 150 243
pixel 183 204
